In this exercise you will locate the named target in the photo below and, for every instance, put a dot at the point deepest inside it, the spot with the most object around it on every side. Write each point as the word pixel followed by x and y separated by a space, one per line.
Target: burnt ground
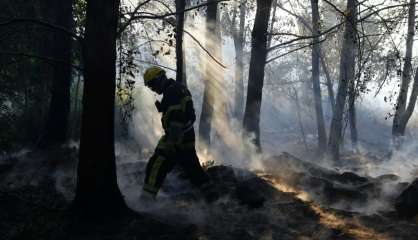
pixel 291 199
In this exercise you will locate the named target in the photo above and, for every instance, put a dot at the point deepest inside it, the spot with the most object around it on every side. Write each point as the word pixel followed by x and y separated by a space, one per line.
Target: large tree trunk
pixel 97 190
pixel 347 67
pixel 402 116
pixel 59 45
pixel 322 138
pixel 205 125
pixel 239 43
pixel 180 58
pixel 251 121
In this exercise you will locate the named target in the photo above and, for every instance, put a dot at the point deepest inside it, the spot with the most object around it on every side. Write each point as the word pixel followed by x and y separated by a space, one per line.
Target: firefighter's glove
pixel 158 106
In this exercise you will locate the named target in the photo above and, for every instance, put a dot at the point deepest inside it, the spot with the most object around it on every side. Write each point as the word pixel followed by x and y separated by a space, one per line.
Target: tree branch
pixel 155 16
pixel 333 28
pixel 204 49
pixel 293 50
pixel 127 23
pixel 156 64
pixel 46 59
pixel 41 23
pixel 198 43
pixel 336 8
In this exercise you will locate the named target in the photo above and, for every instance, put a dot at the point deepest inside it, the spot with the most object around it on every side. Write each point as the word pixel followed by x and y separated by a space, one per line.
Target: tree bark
pixel 273 20
pixel 180 57
pixel 352 93
pixel 402 116
pixel 320 123
pixel 347 67
pixel 251 121
pixel 60 48
pixel 97 190
pixel 411 105
pixel 205 125
pixel 299 115
pixel 330 85
pixel 239 43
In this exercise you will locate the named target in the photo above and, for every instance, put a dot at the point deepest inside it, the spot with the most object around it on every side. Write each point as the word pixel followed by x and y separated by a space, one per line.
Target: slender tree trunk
pixel 401 117
pixel 205 125
pixel 251 121
pixel 299 115
pixel 347 64
pixel 97 190
pixel 352 93
pixel 239 43
pixel 330 88
pixel 76 123
pixel 273 20
pixel 180 58
pixel 411 106
pixel 322 137
pixel 61 48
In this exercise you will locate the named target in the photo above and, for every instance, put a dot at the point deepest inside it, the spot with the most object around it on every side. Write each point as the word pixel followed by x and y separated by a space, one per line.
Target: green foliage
pixel 24 76
pixel 128 69
pixel 79 12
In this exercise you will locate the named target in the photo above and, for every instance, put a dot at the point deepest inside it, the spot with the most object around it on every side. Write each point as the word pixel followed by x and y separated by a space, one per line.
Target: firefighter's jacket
pixel 178 116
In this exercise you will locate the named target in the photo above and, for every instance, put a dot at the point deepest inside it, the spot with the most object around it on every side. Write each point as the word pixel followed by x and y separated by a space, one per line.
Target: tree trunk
pixel 97 190
pixel 411 105
pixel 205 125
pixel 299 115
pixel 75 112
pixel 251 121
pixel 352 114
pixel 322 138
pixel 347 64
pixel 321 55
pixel 273 20
pixel 239 43
pixel 401 117
pixel 180 58
pixel 60 48
pixel 330 85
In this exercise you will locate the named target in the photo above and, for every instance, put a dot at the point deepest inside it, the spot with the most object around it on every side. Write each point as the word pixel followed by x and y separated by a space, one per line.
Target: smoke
pixel 280 130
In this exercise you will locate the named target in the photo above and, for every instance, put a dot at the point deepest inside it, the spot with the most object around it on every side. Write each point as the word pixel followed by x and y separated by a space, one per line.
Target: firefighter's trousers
pixel 163 161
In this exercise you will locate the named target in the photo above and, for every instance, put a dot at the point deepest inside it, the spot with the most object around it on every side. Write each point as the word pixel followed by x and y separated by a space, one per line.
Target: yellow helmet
pixel 152 73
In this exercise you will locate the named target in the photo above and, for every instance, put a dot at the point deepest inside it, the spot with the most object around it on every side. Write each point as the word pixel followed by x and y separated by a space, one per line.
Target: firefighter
pixel 177 145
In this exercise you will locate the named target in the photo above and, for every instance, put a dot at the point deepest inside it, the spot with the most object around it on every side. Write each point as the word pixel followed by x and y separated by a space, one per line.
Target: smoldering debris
pixel 406 203
pixel 288 199
pixel 56 165
pixel 340 189
pixel 298 199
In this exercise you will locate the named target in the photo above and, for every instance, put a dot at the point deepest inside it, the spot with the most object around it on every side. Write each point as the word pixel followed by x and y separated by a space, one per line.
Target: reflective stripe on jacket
pixel 177 111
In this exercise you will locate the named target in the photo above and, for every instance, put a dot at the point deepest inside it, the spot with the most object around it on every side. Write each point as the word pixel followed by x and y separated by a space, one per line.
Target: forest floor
pixel 290 199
